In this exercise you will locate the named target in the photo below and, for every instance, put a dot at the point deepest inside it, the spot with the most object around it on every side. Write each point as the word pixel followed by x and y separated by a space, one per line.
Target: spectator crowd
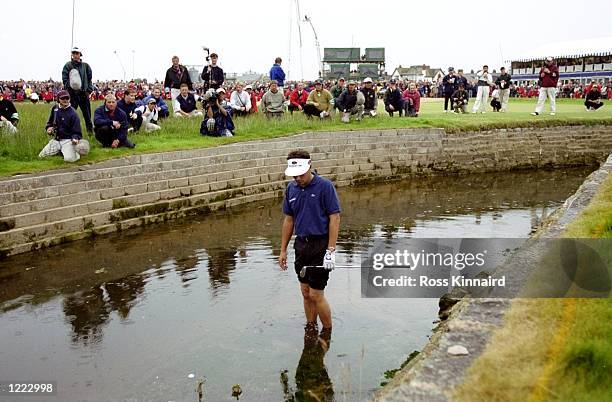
pixel 131 106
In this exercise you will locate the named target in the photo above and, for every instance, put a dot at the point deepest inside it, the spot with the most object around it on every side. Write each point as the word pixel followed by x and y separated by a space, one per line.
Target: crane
pixel 320 61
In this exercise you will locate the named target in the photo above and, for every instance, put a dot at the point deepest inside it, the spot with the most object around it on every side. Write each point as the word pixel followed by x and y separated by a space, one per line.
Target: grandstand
pixel 349 63
pixel 578 61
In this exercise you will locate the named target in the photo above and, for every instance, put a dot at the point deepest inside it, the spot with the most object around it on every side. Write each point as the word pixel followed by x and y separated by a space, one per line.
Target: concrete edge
pixel 434 375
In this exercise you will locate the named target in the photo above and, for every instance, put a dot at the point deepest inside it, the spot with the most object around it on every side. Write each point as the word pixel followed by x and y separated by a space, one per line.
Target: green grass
pixel 551 349
pixel 18 153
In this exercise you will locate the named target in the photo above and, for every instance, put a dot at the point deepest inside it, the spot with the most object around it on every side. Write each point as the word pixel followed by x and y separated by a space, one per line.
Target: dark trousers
pixel 163 114
pixel 398 108
pixel 106 135
pixel 81 99
pixel 447 100
pixel 311 110
pixel 292 108
pixel 136 123
pixel 496 105
pixel 410 110
pixel 593 105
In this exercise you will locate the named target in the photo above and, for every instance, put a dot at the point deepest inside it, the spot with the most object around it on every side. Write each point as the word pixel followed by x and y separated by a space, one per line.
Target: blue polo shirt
pixel 311 206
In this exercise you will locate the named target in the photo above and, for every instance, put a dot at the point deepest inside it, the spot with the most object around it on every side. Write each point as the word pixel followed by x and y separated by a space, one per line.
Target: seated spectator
pixel 218 121
pixel 593 99
pixel 350 102
pixel 34 97
pixel 187 103
pixel 370 97
pixel 162 110
pixel 253 97
pixel 131 109
pixel 298 98
pixel 319 102
pixel 412 101
pixel 273 102
pixel 240 101
pixel 150 115
pixel 111 125
pixel 393 99
pixel 65 127
pixel 460 99
pixel 8 115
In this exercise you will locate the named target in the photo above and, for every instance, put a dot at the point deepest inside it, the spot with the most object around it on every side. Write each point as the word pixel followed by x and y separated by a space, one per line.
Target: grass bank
pixel 552 349
pixel 18 153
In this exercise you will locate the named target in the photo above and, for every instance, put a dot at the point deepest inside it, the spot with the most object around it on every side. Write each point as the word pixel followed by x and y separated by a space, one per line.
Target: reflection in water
pixel 93 281
pixel 221 263
pixel 311 378
pixel 88 311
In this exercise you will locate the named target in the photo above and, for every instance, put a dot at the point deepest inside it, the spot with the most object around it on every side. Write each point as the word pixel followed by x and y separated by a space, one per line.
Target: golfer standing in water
pixel 312 210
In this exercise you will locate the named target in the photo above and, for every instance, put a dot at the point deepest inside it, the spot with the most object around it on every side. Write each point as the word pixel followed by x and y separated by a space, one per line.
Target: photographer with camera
pixel 218 121
pixel 212 74
pixel 65 127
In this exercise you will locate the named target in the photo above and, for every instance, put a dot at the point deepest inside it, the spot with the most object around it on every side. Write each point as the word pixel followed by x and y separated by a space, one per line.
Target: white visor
pixel 297 167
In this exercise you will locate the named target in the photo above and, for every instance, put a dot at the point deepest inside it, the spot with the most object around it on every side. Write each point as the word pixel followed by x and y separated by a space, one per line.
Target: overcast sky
pixel 249 34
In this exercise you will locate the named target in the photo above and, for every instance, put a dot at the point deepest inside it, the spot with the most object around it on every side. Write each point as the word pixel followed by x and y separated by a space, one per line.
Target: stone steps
pixel 45 209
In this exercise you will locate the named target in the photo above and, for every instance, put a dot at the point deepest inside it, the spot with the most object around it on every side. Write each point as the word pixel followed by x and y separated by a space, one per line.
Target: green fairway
pixel 18 153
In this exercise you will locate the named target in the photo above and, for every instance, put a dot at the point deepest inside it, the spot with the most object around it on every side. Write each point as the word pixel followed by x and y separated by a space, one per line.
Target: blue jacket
pixel 66 123
pixel 131 108
pixel 103 118
pixel 159 101
pixel 277 73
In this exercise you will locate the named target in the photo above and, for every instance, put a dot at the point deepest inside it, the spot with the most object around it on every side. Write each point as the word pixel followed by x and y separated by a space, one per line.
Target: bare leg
pixel 310 307
pixel 322 307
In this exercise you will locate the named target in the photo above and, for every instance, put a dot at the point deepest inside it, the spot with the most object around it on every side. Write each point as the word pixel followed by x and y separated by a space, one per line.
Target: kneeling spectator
pixel 298 98
pixel 412 101
pixel 370 97
pixel 65 127
pixel 162 108
pixel 240 101
pixel 150 116
pixel 319 101
pixel 131 109
pixel 495 102
pixel 593 99
pixel 187 103
pixel 460 99
pixel 350 102
pixel 111 125
pixel 218 121
pixel 273 102
pixel 393 99
pixel 8 115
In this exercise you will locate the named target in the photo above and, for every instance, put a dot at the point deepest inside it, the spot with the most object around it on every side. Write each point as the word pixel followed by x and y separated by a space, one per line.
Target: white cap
pixel 220 89
pixel 248 87
pixel 367 79
pixel 76 49
pixel 297 167
pixel 549 58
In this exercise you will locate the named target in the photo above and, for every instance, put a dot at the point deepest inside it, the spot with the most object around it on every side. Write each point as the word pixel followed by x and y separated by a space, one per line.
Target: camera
pixel 210 95
pixel 207 50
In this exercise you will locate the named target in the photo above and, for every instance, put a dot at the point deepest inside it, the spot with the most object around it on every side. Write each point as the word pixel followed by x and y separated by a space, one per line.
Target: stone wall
pixel 59 206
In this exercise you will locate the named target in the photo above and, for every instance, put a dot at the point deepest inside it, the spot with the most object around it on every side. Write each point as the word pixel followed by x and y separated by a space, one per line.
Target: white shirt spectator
pixel 240 100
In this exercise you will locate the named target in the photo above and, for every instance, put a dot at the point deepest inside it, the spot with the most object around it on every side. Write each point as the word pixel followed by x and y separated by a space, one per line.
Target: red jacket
pixel 254 108
pixel 415 96
pixel 550 79
pixel 296 99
